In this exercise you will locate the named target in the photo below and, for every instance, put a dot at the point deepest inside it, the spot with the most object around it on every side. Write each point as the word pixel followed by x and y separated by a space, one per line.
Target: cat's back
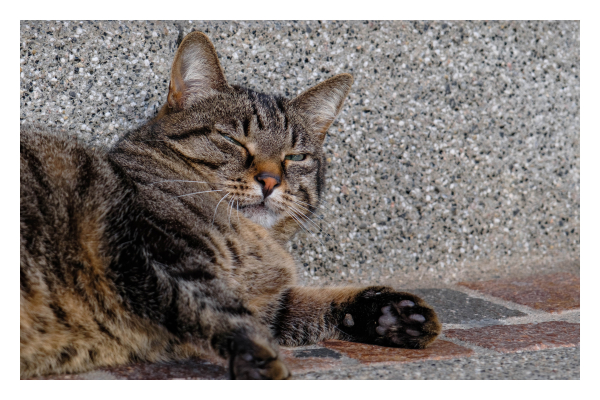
pixel 67 192
pixel 54 163
pixel 64 185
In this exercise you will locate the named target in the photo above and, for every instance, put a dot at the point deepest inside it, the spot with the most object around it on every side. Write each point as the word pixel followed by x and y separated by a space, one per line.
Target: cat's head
pixel 264 151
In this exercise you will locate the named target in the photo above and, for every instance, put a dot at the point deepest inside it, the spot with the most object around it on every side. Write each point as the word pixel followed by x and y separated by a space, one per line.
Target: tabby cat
pixel 171 245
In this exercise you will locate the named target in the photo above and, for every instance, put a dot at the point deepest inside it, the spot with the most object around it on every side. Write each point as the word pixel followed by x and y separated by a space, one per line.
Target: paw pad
pixel 412 332
pixel 386 320
pixel 417 317
pixel 348 320
pixel 381 330
pixel 406 303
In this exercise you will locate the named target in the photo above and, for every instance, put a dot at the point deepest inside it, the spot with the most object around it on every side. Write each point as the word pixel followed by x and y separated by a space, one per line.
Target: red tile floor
pixel 491 317
pixel 552 293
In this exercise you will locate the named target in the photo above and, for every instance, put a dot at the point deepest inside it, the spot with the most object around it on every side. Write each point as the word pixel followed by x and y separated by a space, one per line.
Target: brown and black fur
pixel 171 244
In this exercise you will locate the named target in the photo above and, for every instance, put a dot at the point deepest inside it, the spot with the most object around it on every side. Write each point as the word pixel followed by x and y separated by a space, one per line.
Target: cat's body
pixel 171 245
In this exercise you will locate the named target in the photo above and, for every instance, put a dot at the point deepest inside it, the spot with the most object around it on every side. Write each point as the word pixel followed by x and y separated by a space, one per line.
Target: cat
pixel 171 244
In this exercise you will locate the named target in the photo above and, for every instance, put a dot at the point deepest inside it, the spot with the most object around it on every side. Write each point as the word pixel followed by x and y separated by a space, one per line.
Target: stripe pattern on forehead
pixel 268 109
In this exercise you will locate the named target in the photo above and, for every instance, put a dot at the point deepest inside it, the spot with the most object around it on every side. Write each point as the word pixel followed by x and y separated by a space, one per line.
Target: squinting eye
pixel 295 157
pixel 232 140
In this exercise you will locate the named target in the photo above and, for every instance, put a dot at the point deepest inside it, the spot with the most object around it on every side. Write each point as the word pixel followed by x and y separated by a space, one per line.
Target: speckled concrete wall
pixel 456 154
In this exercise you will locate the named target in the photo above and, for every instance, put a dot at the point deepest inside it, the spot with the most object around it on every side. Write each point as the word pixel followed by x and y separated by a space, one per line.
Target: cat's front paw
pixel 256 359
pixel 406 322
pixel 380 315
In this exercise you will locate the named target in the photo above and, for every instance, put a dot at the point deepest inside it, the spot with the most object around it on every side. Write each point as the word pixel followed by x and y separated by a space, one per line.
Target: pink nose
pixel 268 182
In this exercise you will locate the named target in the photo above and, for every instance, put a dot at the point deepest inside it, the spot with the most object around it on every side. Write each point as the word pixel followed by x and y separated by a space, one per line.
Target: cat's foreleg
pixel 375 314
pixel 210 315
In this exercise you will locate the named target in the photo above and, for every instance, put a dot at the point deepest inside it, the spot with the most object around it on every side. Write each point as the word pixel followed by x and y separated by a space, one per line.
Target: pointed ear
pixel 196 72
pixel 322 103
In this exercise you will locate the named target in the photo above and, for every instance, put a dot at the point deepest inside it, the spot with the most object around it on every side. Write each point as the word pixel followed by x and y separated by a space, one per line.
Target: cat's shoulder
pixel 46 140
pixel 60 157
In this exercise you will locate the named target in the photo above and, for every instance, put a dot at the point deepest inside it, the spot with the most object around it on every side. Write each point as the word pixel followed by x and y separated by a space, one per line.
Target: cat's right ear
pixel 322 103
pixel 196 72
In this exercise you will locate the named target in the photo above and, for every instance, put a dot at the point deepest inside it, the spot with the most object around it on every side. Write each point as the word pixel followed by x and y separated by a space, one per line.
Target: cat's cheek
pixel 275 197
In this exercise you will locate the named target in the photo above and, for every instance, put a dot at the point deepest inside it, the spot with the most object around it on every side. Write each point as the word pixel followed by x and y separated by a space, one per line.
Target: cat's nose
pixel 268 182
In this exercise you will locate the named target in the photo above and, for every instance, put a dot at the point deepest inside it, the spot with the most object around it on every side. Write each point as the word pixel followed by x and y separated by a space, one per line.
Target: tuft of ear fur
pixel 322 103
pixel 196 72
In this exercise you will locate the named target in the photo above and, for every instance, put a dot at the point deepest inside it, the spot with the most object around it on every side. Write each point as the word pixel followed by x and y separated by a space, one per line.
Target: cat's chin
pixel 260 214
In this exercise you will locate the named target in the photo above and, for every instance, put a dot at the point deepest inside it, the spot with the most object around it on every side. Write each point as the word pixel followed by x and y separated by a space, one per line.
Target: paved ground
pixel 519 328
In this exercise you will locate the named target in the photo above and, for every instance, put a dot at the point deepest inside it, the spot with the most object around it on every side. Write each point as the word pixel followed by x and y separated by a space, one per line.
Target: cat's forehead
pixel 267 120
pixel 268 112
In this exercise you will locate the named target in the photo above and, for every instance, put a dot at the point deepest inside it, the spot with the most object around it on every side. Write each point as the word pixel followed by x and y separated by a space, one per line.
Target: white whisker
pixel 217 207
pixel 319 207
pixel 305 228
pixel 297 214
pixel 320 217
pixel 177 180
pixel 230 204
pixel 206 191
pixel 300 213
pixel 295 219
pixel 303 202
pixel 305 216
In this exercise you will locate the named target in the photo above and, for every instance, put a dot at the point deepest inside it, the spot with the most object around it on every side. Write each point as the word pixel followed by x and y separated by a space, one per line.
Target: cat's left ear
pixel 322 103
pixel 196 72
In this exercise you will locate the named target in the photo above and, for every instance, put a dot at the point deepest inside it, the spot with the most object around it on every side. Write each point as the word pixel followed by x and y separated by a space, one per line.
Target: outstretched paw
pixel 404 323
pixel 256 360
pixel 383 316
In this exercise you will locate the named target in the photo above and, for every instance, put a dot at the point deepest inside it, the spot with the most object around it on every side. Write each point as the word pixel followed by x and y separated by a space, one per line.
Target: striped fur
pixel 171 244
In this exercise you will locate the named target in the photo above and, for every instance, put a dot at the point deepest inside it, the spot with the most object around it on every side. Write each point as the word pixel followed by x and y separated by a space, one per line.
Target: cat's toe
pixel 417 317
pixel 257 361
pixel 247 367
pixel 385 321
pixel 406 303
pixel 407 322
pixel 348 320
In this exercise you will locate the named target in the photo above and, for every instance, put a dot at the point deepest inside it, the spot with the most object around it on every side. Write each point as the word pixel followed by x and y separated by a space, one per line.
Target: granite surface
pixel 455 157
pixel 310 360
pixel 369 354
pixel 546 364
pixel 526 337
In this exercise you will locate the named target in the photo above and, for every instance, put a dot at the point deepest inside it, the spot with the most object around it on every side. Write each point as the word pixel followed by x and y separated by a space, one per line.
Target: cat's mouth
pixel 260 213
pixel 254 208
